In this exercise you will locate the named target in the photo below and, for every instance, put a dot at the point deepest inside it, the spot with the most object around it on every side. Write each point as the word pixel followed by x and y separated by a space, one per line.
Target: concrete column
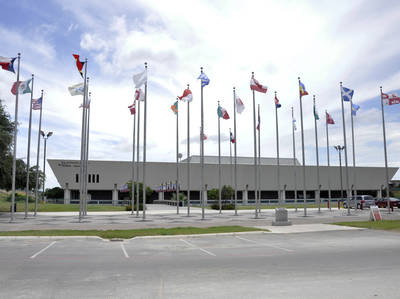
pixel 115 195
pixel 160 195
pixel 284 194
pixel 205 195
pixel 245 195
pixel 379 193
pixel 67 194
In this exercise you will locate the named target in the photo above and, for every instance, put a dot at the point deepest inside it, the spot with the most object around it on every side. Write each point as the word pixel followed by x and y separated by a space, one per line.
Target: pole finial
pixel 340 83
pixel 275 92
pixel 187 86
pixel 33 76
pixel 298 78
pixel 233 88
pixel 145 64
pixel 201 69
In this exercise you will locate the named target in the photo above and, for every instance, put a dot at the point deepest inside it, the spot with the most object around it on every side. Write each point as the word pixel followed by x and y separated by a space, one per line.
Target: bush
pixel 213 194
pixel 20 197
pixel 182 197
pixel 225 206
pixel 55 192
pixel 227 192
pixel 129 207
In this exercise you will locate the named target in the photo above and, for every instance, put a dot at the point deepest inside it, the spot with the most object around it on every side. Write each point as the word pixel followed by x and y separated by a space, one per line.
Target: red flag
pixel 329 119
pixel 187 96
pixel 255 85
pixel 132 108
pixel 79 64
pixel 390 99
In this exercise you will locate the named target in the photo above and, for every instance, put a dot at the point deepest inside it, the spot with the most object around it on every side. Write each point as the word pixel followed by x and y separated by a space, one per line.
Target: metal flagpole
pixel 28 153
pixel 230 158
pixel 317 156
pixel 37 157
pixel 188 157
pixel 81 172
pixel 219 162
pixel 15 144
pixel 345 153
pixel 144 144
pixel 234 147
pixel 294 161
pixel 202 150
pixel 354 153
pixel 255 150
pixel 277 154
pixel 133 161
pixel 259 164
pixel 86 148
pixel 303 154
pixel 177 159
pixel 385 151
pixel 327 154
pixel 138 159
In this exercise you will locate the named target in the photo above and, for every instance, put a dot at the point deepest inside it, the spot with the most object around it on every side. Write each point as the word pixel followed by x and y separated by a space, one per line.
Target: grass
pixel 131 233
pixel 287 206
pixel 391 225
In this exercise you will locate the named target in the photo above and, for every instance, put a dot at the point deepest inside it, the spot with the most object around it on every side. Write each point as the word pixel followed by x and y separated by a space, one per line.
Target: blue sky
pixel 323 42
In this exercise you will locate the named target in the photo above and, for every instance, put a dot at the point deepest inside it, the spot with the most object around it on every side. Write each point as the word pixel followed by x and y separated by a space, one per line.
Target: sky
pixel 323 42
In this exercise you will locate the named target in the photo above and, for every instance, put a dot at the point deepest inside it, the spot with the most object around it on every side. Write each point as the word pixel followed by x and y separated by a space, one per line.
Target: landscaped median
pixel 390 225
pixel 131 233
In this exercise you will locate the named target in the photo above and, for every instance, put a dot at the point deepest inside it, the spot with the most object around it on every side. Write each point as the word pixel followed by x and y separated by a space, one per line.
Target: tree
pixel 55 192
pixel 149 191
pixel 227 192
pixel 213 194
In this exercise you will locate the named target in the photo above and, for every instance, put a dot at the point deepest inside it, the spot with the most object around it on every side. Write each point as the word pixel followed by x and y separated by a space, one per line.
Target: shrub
pixel 227 192
pixel 20 197
pixel 182 197
pixel 213 194
pixel 225 206
pixel 129 207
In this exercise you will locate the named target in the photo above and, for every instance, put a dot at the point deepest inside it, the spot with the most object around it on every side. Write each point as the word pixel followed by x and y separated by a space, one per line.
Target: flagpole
pixel 327 154
pixel 86 147
pixel 28 154
pixel 37 157
pixel 188 157
pixel 294 161
pixel 219 162
pixel 345 153
pixel 255 150
pixel 202 150
pixel 133 161
pixel 15 143
pixel 317 155
pixel 385 151
pixel 354 153
pixel 177 159
pixel 230 157
pixel 234 146
pixel 259 164
pixel 144 144
pixel 277 154
pixel 138 159
pixel 303 155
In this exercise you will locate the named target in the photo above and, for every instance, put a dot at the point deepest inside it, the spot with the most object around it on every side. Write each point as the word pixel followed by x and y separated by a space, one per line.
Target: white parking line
pixel 39 252
pixel 124 250
pixel 197 247
pixel 264 244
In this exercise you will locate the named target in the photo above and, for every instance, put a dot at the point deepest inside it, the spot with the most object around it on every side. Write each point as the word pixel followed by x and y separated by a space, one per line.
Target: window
pixel 89 178
pixel 93 178
pixel 76 178
pixel 98 177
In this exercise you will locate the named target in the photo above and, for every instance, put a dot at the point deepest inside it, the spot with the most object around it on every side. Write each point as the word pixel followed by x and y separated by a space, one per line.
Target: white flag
pixel 140 79
pixel 239 105
pixel 139 95
pixel 76 90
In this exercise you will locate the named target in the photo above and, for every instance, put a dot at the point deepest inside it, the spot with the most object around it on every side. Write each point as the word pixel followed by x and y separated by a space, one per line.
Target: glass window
pixel 93 178
pixel 98 178
pixel 76 178
pixel 89 178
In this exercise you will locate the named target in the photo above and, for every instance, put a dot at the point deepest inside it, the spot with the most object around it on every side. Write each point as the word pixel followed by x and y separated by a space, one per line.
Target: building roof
pixel 241 160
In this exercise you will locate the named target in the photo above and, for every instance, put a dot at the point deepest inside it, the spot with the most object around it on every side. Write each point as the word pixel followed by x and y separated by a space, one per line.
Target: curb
pixel 199 235
pixel 50 237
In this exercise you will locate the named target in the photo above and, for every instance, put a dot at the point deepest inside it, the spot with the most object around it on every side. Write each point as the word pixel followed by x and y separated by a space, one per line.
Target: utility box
pixel 281 217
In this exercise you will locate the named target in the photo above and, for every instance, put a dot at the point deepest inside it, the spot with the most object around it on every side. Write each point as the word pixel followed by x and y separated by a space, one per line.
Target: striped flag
pixel 255 85
pixel 37 104
pixel 132 108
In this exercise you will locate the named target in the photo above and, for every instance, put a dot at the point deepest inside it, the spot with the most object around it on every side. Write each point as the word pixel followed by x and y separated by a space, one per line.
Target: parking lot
pixel 333 264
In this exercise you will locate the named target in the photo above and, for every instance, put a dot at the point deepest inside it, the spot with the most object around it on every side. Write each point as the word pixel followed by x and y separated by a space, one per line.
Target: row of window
pixel 92 178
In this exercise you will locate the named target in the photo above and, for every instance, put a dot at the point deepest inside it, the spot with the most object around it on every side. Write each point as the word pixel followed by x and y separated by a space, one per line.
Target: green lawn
pixel 287 206
pixel 125 234
pixel 392 225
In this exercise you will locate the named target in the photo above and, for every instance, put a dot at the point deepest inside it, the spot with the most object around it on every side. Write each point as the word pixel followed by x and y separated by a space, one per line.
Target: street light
pixel 339 149
pixel 45 136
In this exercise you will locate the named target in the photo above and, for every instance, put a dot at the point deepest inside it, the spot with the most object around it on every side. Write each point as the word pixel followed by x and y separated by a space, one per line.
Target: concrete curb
pixel 198 235
pixel 50 237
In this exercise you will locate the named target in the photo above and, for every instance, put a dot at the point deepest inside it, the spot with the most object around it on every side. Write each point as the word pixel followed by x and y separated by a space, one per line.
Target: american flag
pixel 37 103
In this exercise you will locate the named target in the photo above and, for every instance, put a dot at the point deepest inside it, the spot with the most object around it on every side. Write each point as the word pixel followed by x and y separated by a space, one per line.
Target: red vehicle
pixel 382 202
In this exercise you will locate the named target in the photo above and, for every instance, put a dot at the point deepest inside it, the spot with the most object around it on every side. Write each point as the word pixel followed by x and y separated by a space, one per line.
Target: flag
pixel 76 90
pixel 204 79
pixel 139 95
pixel 232 139
pixel 140 79
pixel 174 107
pixel 124 188
pixel 347 94
pixel 87 106
pixel 277 103
pixel 79 64
pixel 222 112
pixel 132 108
pixel 259 120
pixel 21 87
pixel 7 63
pixel 204 136
pixel 390 99
pixel 329 119
pixel 255 85
pixel 37 104
pixel 302 89
pixel 316 113
pixel 239 105
pixel 294 124
pixel 187 95
pixel 354 109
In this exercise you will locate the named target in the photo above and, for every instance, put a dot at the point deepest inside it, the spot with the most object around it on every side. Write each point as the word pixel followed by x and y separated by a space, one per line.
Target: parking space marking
pixel 197 247
pixel 264 244
pixel 42 250
pixel 124 250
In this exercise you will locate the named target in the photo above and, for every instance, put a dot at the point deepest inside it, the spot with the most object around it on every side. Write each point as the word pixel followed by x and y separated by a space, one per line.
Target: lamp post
pixel 45 136
pixel 339 149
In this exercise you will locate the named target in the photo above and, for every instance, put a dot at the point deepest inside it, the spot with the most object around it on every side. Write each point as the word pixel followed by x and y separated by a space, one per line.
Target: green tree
pixel 6 137
pixel 213 194
pixel 182 197
pixel 55 192
pixel 227 192
pixel 149 191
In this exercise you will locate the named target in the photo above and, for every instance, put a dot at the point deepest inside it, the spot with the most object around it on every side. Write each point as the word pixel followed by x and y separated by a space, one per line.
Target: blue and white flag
pixel 204 79
pixel 294 124
pixel 354 109
pixel 347 94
